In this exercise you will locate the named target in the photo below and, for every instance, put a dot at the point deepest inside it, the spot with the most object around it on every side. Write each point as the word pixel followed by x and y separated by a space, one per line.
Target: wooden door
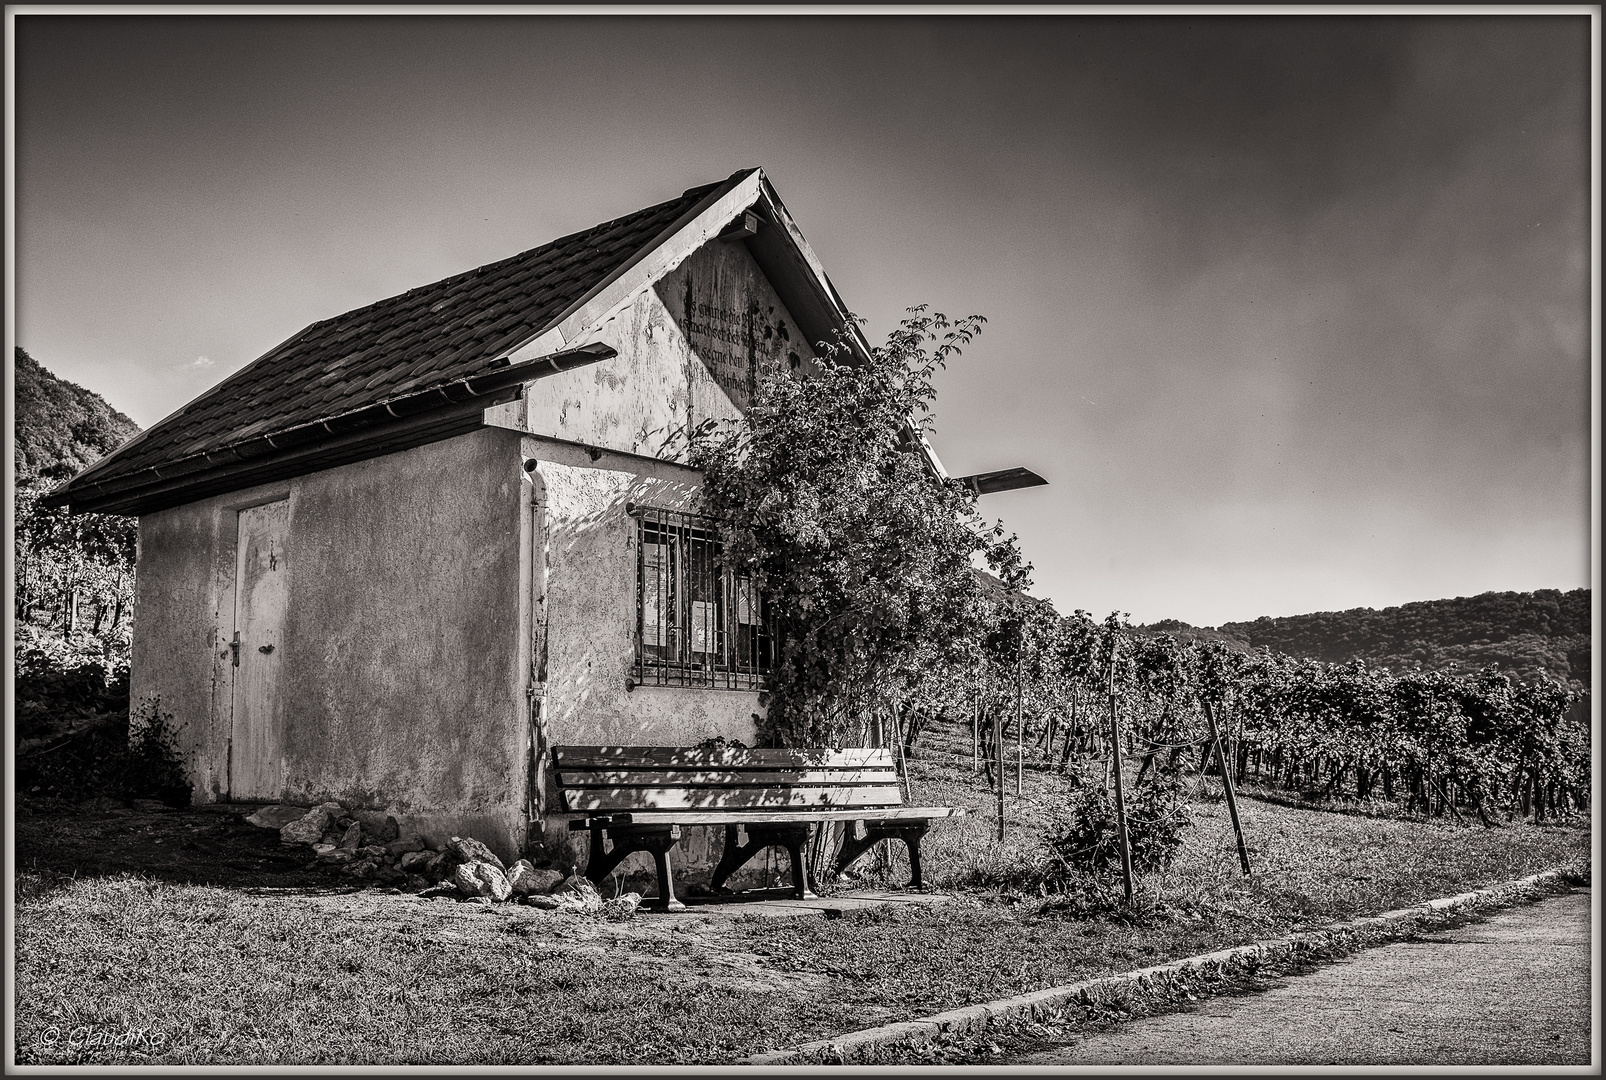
pixel 261 591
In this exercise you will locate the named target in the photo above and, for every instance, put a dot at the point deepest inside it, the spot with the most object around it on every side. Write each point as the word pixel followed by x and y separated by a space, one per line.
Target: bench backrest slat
pixel 674 798
pixel 624 778
pixel 684 757
pixel 724 778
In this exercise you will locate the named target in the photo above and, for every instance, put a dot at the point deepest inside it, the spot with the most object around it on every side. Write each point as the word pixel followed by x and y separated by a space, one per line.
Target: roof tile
pixel 447 330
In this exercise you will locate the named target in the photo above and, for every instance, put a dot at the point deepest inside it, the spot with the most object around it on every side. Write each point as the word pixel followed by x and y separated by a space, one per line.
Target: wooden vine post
pixel 1226 783
pixel 998 751
pixel 903 761
pixel 1020 728
pixel 975 735
pixel 1120 794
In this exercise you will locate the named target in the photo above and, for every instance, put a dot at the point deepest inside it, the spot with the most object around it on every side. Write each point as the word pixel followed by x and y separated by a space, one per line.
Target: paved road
pixel 1514 990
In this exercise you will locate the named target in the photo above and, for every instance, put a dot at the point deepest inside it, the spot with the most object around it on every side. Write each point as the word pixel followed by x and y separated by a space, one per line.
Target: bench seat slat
pixel 571 777
pixel 657 757
pixel 580 822
pixel 756 797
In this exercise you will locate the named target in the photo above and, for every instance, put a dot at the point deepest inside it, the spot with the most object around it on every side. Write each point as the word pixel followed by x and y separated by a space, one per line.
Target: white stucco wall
pixel 400 679
pixel 592 615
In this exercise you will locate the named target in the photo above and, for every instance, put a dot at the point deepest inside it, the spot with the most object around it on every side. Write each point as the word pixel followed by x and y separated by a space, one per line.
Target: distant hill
pixel 61 427
pixel 1528 634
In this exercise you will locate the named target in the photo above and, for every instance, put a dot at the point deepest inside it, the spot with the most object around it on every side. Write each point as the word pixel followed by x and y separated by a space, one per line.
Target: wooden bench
pixel 638 797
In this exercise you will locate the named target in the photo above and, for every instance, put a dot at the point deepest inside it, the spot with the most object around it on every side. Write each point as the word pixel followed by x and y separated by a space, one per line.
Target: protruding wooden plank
pixel 869 815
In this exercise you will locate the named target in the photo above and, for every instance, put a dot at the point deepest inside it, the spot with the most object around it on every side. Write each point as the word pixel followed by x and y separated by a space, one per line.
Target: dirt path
pixel 1514 990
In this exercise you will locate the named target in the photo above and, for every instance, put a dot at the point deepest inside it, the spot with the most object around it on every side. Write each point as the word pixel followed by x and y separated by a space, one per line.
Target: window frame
pixel 686 597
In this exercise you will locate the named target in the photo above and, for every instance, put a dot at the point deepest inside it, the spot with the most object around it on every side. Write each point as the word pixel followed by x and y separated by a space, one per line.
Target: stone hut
pixel 404 553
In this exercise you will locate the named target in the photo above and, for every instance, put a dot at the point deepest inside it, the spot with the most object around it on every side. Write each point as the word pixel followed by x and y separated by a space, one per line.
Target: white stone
pixel 483 879
pixel 468 850
pixel 526 879
pixel 276 817
pixel 579 895
pixel 411 861
pixel 307 829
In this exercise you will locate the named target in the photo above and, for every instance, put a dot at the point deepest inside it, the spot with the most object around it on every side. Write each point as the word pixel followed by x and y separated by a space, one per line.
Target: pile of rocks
pixel 367 845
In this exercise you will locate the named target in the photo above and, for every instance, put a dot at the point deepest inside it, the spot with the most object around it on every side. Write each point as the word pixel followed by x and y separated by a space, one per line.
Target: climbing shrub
pixel 865 557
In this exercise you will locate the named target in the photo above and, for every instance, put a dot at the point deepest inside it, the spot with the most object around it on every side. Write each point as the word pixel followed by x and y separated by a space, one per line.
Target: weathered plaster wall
pixel 733 321
pixel 408 630
pixel 183 619
pixel 401 679
pixel 690 349
pixel 591 552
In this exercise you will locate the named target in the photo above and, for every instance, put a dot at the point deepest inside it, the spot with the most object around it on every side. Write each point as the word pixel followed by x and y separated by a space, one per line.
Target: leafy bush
pixel 864 558
pixel 74 736
pixel 1086 838
pixel 152 766
pixel 109 758
pixel 1075 873
pixel 61 681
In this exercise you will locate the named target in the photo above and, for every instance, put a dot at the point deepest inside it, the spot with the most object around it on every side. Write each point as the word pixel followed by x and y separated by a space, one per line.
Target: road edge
pixel 1040 1003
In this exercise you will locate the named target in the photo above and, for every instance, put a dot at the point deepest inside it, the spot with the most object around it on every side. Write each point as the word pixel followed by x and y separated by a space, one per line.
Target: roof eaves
pixel 217 462
pixel 817 275
pixel 827 293
pixel 105 463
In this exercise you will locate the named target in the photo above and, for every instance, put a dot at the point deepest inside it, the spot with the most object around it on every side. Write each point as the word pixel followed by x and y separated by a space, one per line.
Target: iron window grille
pixel 698 623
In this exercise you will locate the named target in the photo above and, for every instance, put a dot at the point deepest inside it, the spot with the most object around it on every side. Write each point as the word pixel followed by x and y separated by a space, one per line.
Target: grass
pixel 261 969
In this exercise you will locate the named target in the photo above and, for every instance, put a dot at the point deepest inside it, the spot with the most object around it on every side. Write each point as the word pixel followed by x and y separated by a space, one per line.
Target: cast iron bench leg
pixel 793 837
pixel 660 848
pixel 910 833
pixel 658 840
pixel 911 840
pixel 733 858
pixel 601 863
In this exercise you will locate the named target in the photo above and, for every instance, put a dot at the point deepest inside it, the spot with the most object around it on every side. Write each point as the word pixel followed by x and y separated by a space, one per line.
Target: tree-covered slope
pixel 74 572
pixel 1541 632
pixel 61 427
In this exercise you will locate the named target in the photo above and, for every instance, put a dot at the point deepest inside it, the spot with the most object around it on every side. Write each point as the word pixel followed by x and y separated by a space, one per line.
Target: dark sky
pixel 1294 312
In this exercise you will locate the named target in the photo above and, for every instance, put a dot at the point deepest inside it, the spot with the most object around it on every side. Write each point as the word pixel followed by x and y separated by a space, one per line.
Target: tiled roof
pixel 450 330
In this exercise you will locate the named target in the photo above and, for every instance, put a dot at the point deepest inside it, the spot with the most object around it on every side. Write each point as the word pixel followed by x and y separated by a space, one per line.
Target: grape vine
pixel 1482 745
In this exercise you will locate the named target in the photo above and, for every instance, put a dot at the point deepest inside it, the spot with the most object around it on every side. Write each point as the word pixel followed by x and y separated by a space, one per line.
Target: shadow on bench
pixel 637 798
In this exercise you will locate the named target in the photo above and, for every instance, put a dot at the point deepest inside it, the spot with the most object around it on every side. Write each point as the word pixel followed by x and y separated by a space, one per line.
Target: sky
pixel 1292 312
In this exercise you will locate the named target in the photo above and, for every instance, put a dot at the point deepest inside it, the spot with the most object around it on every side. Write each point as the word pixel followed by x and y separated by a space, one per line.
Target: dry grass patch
pixel 264 969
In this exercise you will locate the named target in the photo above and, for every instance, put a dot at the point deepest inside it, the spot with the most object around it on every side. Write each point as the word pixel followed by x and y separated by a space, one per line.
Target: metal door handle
pixel 264 648
pixel 234 647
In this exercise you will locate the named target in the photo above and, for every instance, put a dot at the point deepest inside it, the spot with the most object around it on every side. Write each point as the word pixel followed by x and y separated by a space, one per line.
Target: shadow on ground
pixel 192 845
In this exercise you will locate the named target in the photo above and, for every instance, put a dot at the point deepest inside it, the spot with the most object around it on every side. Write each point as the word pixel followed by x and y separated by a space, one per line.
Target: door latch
pixel 234 647
pixel 264 648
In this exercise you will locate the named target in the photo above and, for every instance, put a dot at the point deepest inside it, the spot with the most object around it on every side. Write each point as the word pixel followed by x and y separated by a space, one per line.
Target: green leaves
pixel 863 554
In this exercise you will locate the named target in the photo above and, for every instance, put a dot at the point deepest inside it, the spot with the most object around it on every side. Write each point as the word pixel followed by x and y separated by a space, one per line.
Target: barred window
pixel 697 622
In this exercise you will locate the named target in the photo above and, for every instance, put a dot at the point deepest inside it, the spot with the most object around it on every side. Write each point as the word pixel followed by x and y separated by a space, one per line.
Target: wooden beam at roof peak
pixel 744 227
pixel 1002 480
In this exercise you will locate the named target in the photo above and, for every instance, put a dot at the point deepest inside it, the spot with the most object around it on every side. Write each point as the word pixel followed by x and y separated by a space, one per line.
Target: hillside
pixel 61 427
pixel 1546 631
